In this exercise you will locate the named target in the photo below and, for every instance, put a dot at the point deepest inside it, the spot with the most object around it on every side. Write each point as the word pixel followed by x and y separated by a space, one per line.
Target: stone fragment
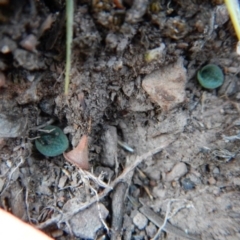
pixel 1 184
pixel 179 170
pixel 85 224
pixel 12 125
pixel 29 42
pixel 56 233
pixel 140 221
pixel 212 181
pixel 151 230
pixel 187 184
pixel 222 15
pixel 62 181
pixel 110 146
pixel 166 86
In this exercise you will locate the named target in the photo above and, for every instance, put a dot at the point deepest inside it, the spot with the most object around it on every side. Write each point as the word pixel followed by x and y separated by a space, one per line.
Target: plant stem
pixel 69 17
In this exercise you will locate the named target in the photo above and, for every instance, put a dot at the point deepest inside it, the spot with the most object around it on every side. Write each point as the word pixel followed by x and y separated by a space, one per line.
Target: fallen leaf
pixel 79 155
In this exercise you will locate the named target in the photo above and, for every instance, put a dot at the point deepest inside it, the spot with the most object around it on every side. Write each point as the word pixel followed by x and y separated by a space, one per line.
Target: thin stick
pixel 11 173
pixel 99 210
pixel 164 222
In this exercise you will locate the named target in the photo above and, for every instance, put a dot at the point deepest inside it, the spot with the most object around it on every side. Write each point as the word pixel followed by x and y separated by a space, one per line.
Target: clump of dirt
pixel 134 92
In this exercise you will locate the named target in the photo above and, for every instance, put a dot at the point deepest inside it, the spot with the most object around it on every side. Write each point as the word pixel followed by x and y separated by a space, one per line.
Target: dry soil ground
pixel 133 80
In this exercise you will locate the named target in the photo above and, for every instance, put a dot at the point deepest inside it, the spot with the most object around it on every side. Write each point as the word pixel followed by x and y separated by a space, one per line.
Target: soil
pixel 129 101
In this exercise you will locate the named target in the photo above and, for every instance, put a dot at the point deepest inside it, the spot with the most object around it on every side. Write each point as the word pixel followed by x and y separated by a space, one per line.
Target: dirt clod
pixel 166 86
pixel 87 223
pixel 179 170
pixel 12 125
pixel 140 221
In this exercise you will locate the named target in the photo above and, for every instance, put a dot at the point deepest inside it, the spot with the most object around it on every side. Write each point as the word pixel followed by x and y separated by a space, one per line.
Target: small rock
pixel 236 181
pixel 1 184
pixel 138 237
pixel 159 192
pixel 140 221
pixel 11 125
pixel 111 41
pixel 47 106
pixel 187 184
pixel 216 171
pixel 7 45
pixel 222 15
pixel 118 65
pixel 85 224
pixel 212 181
pixel 128 88
pixel 136 12
pixel 62 181
pixel 151 230
pixel 29 43
pixel 110 146
pixel 179 170
pixel 57 233
pixel 166 86
pixel 174 184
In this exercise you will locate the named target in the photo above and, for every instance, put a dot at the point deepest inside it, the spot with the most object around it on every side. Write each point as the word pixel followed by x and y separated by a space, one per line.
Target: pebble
pixel 138 237
pixel 212 181
pixel 62 181
pixel 29 43
pixel 166 86
pixel 236 181
pixel 140 221
pixel 110 146
pixel 85 224
pixel 11 125
pixel 57 233
pixel 151 230
pixel 179 170
pixel 187 184
pixel 1 184
pixel 159 192
pixel 216 171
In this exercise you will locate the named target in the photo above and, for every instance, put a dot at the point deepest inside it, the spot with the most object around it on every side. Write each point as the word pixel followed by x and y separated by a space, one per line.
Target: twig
pixel 164 222
pixel 99 210
pixel 11 173
pixel 118 198
pixel 26 203
pixel 42 125
pixel 95 179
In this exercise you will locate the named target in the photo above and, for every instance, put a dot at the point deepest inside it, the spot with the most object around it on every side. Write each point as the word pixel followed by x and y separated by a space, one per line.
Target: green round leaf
pixel 53 143
pixel 210 76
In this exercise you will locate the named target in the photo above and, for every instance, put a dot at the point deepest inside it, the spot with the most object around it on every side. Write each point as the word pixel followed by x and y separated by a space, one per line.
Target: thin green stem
pixel 69 17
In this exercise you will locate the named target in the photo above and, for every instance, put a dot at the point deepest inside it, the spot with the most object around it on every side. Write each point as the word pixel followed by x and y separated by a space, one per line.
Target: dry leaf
pixel 79 155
